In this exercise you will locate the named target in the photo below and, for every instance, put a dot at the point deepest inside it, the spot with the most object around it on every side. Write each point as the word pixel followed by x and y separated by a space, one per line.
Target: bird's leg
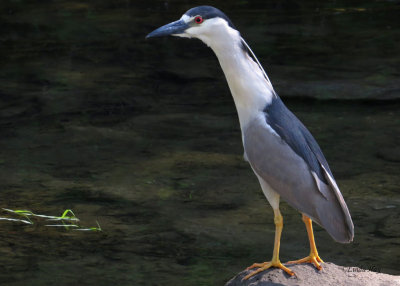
pixel 313 257
pixel 275 262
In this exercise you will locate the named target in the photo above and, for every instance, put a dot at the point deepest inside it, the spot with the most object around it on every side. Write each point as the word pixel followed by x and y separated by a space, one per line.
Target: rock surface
pixel 306 274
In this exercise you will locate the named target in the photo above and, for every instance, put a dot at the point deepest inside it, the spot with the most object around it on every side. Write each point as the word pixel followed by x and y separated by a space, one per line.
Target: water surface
pixel 144 138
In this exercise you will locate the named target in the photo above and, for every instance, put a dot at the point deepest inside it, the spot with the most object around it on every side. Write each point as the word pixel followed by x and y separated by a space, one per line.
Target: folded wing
pixel 283 152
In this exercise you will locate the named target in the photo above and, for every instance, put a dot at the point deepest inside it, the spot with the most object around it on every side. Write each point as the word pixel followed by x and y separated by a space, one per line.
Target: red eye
pixel 198 20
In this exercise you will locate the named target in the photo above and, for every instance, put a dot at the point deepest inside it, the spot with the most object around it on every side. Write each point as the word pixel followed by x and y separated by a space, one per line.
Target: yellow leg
pixel 275 262
pixel 313 257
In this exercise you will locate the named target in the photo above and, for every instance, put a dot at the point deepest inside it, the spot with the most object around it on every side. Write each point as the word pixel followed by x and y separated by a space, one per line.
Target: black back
pixel 209 12
pixel 297 136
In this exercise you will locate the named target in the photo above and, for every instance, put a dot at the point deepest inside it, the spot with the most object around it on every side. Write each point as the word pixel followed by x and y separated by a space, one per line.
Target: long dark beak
pixel 174 28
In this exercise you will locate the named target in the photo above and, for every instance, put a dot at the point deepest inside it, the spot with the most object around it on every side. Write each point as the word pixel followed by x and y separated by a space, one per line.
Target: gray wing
pixel 295 181
pixel 297 136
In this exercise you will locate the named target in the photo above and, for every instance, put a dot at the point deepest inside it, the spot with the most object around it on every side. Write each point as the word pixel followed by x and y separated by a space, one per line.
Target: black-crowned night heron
pixel 281 151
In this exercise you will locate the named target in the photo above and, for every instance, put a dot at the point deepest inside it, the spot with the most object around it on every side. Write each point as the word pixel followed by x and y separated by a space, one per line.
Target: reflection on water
pixel 144 138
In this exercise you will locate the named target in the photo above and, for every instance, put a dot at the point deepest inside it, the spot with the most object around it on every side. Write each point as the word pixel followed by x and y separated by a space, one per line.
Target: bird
pixel 281 151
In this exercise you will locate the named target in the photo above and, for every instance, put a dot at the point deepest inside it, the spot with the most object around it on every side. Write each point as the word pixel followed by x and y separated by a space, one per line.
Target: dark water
pixel 143 137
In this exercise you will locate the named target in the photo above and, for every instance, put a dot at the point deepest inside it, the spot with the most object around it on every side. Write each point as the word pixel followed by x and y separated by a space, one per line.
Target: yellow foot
pixel 265 266
pixel 312 258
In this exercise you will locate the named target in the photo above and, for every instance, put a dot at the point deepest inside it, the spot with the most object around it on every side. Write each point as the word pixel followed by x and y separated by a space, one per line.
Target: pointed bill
pixel 174 28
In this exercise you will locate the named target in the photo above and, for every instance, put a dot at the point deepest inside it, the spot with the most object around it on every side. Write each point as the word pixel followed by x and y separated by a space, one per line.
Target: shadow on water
pixel 144 138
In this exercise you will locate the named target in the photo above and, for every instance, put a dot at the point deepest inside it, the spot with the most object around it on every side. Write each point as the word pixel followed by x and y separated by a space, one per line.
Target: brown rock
pixel 306 274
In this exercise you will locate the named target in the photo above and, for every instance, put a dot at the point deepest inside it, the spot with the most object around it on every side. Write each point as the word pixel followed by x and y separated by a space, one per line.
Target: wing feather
pixel 292 163
pixel 297 136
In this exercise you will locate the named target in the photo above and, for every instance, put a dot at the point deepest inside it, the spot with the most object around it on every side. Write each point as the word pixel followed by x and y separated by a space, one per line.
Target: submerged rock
pixel 306 274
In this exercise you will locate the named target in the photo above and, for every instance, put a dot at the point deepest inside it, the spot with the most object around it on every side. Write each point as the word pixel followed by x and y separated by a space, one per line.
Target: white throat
pixel 250 89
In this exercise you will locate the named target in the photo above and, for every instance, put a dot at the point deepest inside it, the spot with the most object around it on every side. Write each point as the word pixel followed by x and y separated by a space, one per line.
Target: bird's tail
pixel 333 214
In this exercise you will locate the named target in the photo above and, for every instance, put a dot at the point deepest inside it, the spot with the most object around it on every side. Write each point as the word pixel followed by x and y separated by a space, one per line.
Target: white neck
pixel 249 87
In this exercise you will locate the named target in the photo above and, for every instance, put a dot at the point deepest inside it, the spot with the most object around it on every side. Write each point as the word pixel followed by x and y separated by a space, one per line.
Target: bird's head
pixel 204 22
